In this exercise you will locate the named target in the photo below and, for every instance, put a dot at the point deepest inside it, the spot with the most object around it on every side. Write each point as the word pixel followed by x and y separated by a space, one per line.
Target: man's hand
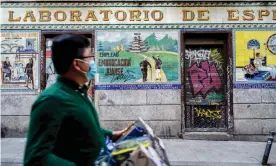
pixel 119 133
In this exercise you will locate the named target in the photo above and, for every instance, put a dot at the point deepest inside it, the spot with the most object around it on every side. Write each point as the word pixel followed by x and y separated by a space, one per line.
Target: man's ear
pixel 75 64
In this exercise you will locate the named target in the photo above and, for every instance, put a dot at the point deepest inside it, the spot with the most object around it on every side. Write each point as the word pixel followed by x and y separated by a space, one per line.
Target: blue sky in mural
pixel 154 40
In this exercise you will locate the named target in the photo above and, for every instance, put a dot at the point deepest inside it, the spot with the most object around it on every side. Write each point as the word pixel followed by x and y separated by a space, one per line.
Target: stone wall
pixel 160 108
pixel 15 111
pixel 254 113
pixel 117 109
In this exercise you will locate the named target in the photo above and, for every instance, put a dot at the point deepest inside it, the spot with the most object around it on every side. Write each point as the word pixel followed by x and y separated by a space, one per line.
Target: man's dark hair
pixel 65 49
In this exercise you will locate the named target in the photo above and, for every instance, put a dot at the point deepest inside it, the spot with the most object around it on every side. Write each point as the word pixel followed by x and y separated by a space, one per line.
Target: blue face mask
pixel 92 70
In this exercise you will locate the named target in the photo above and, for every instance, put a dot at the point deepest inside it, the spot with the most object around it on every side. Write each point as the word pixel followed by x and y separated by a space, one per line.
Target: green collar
pixel 72 84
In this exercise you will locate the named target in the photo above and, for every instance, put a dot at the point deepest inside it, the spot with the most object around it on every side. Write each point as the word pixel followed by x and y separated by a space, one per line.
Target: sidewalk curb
pixel 202 163
pixel 17 161
pixel 180 152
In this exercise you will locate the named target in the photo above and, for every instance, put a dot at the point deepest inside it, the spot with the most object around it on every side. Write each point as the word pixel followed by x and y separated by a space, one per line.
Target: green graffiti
pixel 215 97
pixel 217 58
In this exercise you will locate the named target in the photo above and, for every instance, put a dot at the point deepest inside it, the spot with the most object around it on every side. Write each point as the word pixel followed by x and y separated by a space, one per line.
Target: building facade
pixel 202 70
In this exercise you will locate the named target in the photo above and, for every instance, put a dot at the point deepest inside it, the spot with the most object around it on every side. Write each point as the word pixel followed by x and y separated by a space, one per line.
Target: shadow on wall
pixel 105 99
pixel 4 131
pixel 166 132
pixel 7 132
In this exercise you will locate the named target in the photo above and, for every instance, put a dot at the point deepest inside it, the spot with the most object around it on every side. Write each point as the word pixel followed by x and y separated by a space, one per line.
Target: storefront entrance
pixel 205 93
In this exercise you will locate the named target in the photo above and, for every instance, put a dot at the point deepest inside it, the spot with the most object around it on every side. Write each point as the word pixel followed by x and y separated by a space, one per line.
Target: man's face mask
pixel 92 69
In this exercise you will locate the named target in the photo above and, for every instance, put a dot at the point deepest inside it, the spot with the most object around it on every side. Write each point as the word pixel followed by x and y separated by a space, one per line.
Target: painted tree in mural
pixel 165 42
pixel 100 48
pixel 138 45
pixel 152 42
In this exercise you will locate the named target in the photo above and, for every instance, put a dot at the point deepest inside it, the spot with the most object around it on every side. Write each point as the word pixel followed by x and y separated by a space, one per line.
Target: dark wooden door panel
pixel 205 87
pixel 204 71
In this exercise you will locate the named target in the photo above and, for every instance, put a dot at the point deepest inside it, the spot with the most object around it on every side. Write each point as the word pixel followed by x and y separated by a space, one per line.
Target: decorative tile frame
pixel 187 26
pixel 136 4
pixel 137 86
pixel 140 26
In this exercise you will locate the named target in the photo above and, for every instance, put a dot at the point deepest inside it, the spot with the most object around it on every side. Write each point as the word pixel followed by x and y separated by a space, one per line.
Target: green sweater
pixel 64 128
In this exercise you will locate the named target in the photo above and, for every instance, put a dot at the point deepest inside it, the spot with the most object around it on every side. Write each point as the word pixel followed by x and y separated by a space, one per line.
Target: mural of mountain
pixel 168 44
pixel 165 44
pixel 151 42
pixel 109 46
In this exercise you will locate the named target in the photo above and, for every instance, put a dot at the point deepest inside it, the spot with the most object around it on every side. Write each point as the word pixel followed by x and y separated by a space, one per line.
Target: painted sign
pixel 255 57
pixel 137 15
pixel 19 60
pixel 137 57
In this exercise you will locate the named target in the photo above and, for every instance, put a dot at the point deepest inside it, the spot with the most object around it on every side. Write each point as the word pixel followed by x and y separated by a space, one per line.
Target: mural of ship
pixel 138 45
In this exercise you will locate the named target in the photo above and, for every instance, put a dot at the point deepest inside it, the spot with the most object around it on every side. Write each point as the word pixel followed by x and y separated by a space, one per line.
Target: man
pixel 21 73
pixel 144 68
pixel 158 64
pixel 258 63
pixel 50 74
pixel 29 73
pixel 64 127
pixel 7 68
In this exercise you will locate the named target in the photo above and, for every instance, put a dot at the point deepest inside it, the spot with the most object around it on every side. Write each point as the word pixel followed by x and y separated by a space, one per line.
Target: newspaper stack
pixel 138 146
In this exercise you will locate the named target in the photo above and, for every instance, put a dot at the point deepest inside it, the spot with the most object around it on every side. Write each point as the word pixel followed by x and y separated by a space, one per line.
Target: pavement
pixel 180 152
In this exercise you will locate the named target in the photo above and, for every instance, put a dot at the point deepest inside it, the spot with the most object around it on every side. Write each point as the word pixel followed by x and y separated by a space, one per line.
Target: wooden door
pixel 205 83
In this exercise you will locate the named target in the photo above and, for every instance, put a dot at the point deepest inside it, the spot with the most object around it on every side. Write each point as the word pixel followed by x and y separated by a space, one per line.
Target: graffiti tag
pixel 197 55
pixel 214 97
pixel 128 75
pixel 213 114
pixel 204 78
